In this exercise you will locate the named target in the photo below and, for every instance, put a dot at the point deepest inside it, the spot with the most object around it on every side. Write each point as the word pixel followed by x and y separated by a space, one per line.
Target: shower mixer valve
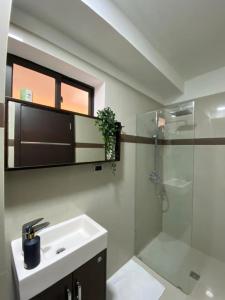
pixel 155 177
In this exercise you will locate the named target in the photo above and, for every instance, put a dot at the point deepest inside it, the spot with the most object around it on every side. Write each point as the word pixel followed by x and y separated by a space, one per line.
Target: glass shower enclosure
pixel 164 194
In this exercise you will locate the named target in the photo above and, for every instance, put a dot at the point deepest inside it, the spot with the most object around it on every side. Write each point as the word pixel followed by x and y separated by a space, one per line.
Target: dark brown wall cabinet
pixel 43 137
pixel 86 283
pixel 39 136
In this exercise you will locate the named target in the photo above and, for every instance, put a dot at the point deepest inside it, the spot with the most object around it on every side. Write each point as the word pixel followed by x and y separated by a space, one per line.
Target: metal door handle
pixel 69 294
pixel 79 290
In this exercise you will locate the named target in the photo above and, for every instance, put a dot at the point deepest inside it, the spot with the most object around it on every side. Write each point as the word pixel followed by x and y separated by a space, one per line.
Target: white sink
pixel 64 248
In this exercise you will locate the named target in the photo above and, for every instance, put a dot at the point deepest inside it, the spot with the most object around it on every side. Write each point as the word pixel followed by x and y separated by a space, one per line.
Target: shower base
pixel 186 268
pixel 174 260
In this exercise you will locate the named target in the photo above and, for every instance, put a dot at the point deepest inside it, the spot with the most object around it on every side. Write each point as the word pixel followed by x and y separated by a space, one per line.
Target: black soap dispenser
pixel 31 248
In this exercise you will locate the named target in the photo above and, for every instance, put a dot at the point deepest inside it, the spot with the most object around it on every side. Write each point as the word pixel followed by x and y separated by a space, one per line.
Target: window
pixel 42 86
pixel 74 99
pixel 31 82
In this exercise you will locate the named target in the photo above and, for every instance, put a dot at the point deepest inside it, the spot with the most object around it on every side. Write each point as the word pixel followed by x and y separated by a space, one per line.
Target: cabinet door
pixel 43 137
pixel 42 125
pixel 89 281
pixel 62 290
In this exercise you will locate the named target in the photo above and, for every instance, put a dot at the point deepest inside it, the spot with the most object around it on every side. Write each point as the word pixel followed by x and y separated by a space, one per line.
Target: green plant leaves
pixel 108 126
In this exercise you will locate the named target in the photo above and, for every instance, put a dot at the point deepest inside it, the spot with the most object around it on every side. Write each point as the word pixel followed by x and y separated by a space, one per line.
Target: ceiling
pixel 188 33
pixel 85 26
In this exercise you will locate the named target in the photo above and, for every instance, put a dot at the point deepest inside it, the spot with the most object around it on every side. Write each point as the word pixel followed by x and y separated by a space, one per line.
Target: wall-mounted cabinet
pixel 40 136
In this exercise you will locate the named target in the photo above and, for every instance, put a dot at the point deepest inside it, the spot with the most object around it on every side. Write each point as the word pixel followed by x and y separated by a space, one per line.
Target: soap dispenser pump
pixel 31 243
pixel 31 247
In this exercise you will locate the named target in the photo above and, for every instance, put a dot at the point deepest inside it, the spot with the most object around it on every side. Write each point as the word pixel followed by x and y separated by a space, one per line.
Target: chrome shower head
pixel 182 112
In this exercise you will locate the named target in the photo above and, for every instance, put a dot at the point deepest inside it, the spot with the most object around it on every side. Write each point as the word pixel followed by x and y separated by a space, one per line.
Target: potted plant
pixel 108 126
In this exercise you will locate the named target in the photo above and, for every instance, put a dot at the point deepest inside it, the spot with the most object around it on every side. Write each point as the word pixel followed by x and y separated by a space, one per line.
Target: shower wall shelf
pixel 178 183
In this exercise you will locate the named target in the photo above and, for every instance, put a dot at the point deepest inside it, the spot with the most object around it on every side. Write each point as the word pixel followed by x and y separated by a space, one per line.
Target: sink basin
pixel 64 248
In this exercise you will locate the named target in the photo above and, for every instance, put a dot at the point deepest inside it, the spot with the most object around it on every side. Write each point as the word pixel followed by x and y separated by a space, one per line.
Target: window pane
pixel 74 99
pixel 42 86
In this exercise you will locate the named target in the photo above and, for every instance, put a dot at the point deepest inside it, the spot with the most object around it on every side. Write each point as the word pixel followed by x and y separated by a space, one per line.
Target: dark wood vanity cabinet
pixel 86 283
pixel 90 279
pixel 62 290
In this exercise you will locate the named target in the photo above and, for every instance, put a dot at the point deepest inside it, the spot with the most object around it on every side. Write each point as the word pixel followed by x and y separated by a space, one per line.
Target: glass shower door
pixel 164 198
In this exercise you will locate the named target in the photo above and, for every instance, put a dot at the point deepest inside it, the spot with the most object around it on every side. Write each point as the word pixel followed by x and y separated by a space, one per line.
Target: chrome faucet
pixel 32 224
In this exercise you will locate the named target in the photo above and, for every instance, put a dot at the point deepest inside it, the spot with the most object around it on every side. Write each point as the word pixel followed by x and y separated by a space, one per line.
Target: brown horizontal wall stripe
pixel 2 114
pixel 198 141
pixel 89 145
pixel 177 142
pixel 210 141
pixel 125 138
pixel 143 140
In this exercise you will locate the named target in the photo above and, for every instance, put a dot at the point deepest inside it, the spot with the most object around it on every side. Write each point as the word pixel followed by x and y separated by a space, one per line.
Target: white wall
pixel 207 84
pixel 4 27
pixel 209 171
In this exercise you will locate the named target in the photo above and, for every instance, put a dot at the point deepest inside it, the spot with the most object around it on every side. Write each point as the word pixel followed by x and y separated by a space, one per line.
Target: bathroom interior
pixel 135 214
